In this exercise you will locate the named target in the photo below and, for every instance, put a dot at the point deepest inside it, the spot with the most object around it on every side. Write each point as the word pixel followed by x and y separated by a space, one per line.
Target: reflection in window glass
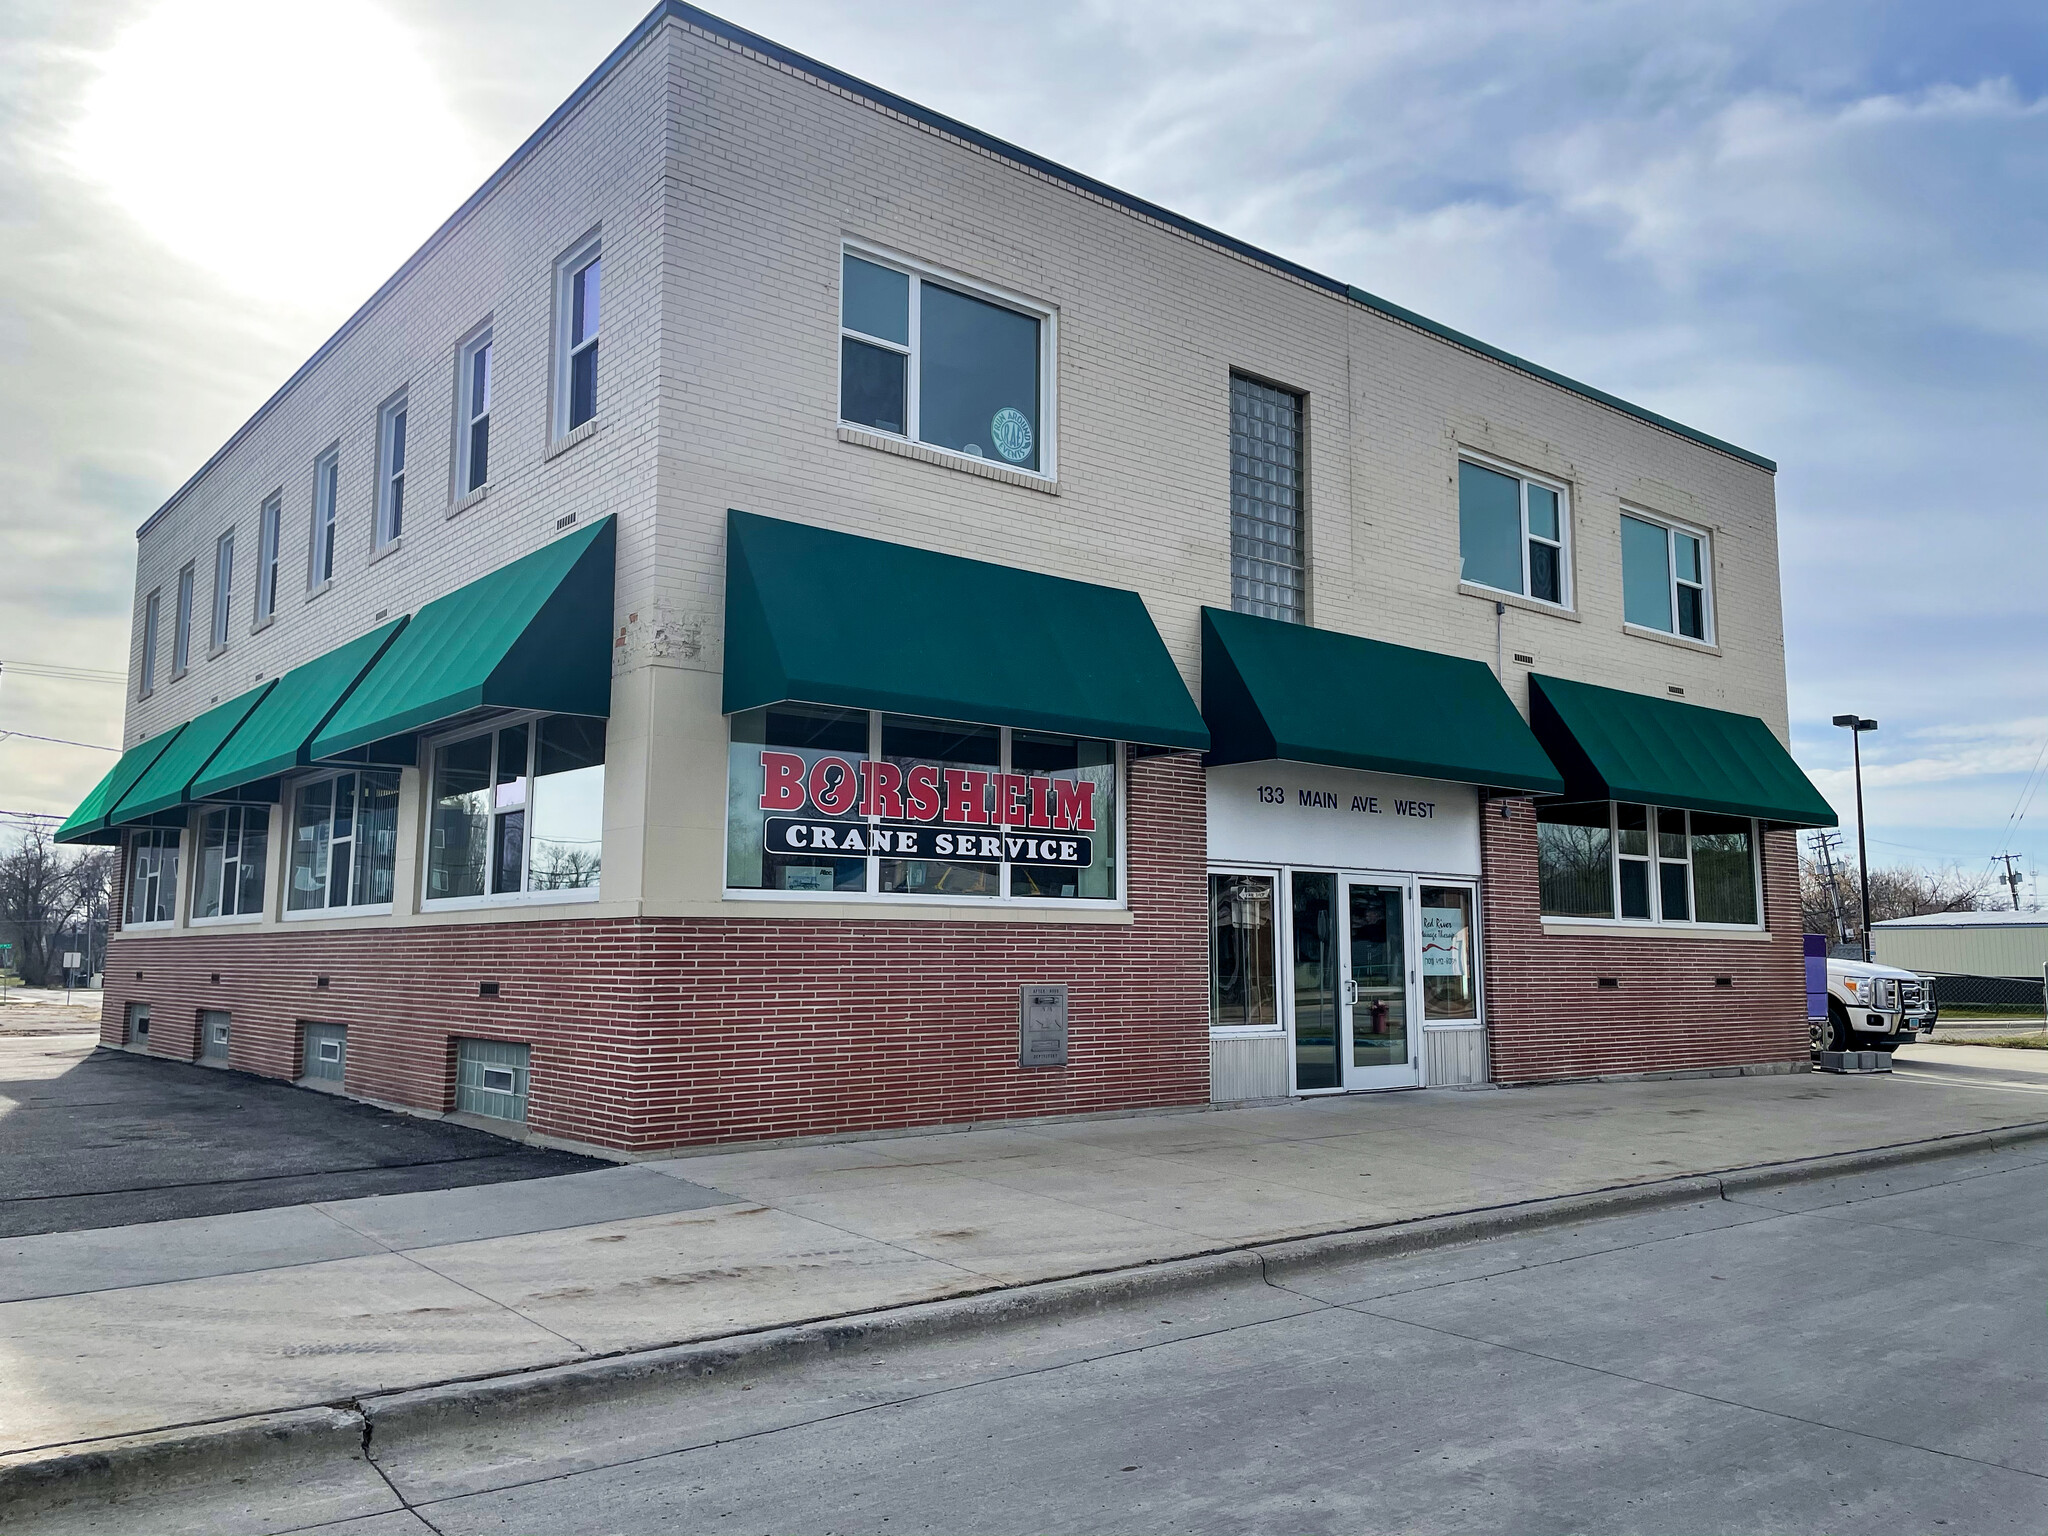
pixel 234 842
pixel 1490 527
pixel 959 757
pixel 152 876
pixel 1632 822
pixel 519 808
pixel 1573 848
pixel 813 733
pixel 871 385
pixel 977 377
pixel 1723 868
pixel 344 841
pixel 1070 759
pixel 1645 574
pixel 875 301
pixel 1313 924
pixel 568 803
pixel 1449 961
pixel 1243 989
pixel 459 839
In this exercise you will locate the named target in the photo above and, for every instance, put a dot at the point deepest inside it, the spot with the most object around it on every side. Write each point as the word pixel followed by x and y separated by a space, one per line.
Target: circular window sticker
pixel 1011 431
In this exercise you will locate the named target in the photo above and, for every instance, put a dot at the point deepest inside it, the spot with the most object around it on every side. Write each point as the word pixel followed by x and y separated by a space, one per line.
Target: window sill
pixel 945 458
pixel 1246 1032
pixel 214 653
pixel 429 904
pixel 1444 1024
pixel 1683 642
pixel 164 927
pixel 387 550
pixel 854 905
pixel 465 502
pixel 315 914
pixel 313 592
pixel 1516 600
pixel 1613 928
pixel 263 623
pixel 235 920
pixel 564 443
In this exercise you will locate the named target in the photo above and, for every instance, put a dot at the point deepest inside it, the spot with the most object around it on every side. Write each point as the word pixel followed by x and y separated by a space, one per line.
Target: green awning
pixel 168 782
pixel 88 824
pixel 1614 745
pixel 832 618
pixel 535 634
pixel 1277 690
pixel 273 740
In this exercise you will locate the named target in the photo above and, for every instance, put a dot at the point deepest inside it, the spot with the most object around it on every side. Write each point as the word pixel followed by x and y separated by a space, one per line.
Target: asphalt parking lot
pixel 99 1138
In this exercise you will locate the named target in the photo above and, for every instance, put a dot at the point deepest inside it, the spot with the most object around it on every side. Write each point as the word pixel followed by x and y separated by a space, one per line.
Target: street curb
pixel 111 1469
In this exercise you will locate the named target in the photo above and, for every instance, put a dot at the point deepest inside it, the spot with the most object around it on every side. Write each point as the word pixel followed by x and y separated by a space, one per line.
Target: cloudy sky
pixel 1813 229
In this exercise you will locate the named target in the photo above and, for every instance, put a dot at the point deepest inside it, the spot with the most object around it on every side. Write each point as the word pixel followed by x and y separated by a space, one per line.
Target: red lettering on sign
pixel 833 786
pixel 1075 804
pixel 1041 789
pixel 921 793
pixel 782 786
pixel 1010 793
pixel 967 796
pixel 881 790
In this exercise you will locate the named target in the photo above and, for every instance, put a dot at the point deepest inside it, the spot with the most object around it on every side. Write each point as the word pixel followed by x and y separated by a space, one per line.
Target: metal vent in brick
pixel 1267 541
pixel 214 1024
pixel 327 1052
pixel 491 1078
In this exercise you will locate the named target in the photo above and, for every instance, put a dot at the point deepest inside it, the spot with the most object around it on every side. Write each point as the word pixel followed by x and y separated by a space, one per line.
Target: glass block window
pixel 1267 536
pixel 491 1078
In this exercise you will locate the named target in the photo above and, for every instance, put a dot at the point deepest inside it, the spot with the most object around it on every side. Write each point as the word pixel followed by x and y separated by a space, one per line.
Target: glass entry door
pixel 1380 1044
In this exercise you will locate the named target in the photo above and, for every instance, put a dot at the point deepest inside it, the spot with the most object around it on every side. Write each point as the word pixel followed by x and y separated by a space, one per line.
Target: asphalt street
pixel 1860 1355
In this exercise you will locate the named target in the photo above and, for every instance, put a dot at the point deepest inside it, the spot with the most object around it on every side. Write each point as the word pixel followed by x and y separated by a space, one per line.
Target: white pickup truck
pixel 1874 1007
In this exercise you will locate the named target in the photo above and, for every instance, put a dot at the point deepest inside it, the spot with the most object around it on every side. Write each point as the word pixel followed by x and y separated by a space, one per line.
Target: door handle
pixel 1350 994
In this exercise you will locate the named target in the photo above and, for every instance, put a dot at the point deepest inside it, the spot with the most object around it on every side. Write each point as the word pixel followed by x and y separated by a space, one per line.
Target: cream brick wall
pixel 724 183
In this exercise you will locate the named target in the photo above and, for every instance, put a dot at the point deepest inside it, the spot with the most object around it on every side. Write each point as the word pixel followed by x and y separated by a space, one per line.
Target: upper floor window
pixel 269 528
pixel 842 800
pixel 391 472
pixel 344 840
pixel 223 587
pixel 152 876
pixel 518 809
pixel 181 629
pixel 1266 529
pixel 326 492
pixel 151 607
pixel 1514 533
pixel 473 416
pixel 1665 578
pixel 234 845
pixel 579 280
pixel 1646 863
pixel 924 359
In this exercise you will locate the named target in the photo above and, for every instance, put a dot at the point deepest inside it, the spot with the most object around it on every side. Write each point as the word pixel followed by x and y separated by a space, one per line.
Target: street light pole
pixel 1856 725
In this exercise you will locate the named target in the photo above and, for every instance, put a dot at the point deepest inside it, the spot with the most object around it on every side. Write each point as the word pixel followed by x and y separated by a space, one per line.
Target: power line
pixel 91 746
pixel 63 673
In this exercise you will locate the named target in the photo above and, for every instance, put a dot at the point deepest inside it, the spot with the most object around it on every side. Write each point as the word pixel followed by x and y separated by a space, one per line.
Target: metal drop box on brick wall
pixel 1042 1025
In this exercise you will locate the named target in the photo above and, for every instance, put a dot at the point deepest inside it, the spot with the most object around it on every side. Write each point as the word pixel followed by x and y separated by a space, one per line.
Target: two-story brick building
pixel 790 615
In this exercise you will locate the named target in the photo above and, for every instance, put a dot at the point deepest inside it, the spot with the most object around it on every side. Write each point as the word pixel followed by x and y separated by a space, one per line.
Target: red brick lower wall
pixel 651 1033
pixel 1548 1017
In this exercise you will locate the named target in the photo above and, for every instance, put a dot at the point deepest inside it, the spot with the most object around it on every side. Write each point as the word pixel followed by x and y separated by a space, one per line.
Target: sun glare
pixel 298 150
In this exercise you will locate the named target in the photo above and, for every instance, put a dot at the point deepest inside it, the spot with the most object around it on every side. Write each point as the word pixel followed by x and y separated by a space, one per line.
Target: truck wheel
pixel 1831 1033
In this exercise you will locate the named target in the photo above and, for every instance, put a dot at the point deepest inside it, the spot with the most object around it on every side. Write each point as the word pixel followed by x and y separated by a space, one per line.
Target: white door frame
pixel 1407 1074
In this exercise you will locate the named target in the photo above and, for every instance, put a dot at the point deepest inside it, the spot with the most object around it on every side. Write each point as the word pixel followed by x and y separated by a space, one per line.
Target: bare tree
pixel 1904 891
pixel 40 896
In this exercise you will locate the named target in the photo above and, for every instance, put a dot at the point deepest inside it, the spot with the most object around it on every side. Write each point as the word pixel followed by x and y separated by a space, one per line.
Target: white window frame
pixel 467 416
pixel 1048 352
pixel 326 518
pixel 393 470
pixel 872 894
pixel 567 266
pixel 289 832
pixel 527 897
pixel 1672 529
pixel 181 634
pixel 1566 588
pixel 177 839
pixel 1278 1029
pixel 152 614
pixel 1654 859
pixel 269 535
pixel 199 861
pixel 223 593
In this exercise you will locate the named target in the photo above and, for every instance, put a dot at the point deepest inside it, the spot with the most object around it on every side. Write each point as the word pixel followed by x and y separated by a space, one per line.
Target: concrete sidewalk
pixel 117 1331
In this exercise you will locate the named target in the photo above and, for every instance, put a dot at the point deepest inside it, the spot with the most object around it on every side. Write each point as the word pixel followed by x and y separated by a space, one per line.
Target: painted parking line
pixel 1956 1082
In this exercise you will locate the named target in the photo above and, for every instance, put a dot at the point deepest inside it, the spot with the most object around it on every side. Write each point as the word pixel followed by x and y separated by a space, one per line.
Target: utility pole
pixel 1825 843
pixel 1856 725
pixel 2012 880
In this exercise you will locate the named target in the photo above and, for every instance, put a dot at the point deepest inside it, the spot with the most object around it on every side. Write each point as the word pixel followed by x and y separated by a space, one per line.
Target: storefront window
pixel 1664 865
pixel 1315 961
pixel 152 876
pixel 1449 966
pixel 845 801
pixel 518 808
pixel 344 841
pixel 234 843
pixel 1243 990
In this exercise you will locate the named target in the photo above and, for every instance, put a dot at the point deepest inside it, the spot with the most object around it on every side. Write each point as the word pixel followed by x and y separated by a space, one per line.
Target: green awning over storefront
pixel 275 737
pixel 535 634
pixel 832 618
pixel 167 784
pixel 1277 690
pixel 88 824
pixel 1614 745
